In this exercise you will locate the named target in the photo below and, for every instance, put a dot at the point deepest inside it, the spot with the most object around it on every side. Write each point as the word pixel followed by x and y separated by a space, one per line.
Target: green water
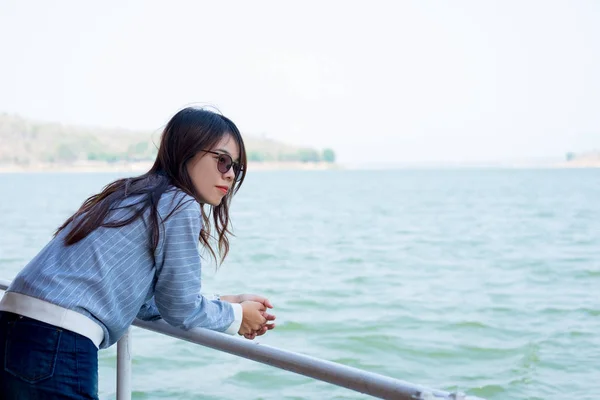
pixel 484 281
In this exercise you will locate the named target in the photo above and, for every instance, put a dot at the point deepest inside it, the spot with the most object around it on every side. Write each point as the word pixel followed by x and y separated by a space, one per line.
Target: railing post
pixel 124 367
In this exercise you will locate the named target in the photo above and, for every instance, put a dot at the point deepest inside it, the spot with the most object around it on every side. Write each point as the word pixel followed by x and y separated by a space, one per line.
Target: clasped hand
pixel 256 321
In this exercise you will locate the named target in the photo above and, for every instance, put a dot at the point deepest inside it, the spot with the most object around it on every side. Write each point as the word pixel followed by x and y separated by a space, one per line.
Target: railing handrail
pixel 338 374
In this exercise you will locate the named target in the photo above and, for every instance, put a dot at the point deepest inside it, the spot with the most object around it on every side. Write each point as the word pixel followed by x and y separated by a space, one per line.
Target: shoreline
pixel 141 167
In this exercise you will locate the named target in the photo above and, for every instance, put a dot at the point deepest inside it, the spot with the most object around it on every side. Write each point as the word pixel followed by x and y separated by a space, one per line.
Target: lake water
pixel 480 280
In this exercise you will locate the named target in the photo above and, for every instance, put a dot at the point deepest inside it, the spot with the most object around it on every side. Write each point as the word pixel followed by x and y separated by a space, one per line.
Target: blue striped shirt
pixel 111 277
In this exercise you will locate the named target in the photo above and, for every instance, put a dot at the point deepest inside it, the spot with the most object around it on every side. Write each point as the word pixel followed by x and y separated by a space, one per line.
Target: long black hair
pixel 188 132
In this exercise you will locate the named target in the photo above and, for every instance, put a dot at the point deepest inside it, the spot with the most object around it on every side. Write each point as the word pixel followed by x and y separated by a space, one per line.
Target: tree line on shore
pixel 28 142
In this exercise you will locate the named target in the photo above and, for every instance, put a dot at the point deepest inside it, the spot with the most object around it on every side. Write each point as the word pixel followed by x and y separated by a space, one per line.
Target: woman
pixel 129 251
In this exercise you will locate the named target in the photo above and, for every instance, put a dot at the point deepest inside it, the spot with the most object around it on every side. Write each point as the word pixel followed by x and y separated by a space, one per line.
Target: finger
pixel 268 317
pixel 262 331
pixel 257 327
pixel 263 319
pixel 263 300
pixel 267 303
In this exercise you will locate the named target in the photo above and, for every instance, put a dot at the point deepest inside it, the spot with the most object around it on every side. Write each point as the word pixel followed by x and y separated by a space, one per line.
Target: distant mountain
pixel 26 142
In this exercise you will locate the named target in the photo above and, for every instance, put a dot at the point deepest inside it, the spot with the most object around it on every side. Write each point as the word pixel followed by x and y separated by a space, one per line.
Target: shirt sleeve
pixel 177 290
pixel 149 311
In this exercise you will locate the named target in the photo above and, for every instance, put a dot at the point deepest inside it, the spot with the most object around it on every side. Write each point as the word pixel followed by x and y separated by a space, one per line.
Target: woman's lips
pixel 223 189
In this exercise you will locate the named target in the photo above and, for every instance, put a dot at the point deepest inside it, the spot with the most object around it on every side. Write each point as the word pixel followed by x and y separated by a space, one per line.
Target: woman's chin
pixel 216 202
pixel 211 201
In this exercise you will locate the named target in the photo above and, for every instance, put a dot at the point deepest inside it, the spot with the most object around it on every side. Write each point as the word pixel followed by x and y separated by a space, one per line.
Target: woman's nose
pixel 230 174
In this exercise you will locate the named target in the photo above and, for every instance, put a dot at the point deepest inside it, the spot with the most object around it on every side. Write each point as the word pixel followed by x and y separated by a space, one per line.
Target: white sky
pixel 410 81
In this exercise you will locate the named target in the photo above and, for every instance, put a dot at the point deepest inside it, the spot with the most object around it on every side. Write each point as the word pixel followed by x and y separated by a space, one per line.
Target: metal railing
pixel 341 375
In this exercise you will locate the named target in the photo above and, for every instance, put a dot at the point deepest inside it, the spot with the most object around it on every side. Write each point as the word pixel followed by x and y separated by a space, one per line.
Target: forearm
pixel 231 298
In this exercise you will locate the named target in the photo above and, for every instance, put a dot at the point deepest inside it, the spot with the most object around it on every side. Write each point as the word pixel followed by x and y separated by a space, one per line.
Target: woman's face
pixel 211 184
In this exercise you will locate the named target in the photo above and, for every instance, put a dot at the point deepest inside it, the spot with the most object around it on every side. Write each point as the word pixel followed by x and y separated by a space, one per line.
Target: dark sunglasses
pixel 225 163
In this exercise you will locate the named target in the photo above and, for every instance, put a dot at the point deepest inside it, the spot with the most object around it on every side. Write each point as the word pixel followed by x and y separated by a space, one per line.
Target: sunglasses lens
pixel 225 162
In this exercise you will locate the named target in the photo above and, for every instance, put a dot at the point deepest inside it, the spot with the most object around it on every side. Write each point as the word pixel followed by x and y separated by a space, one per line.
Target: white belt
pixel 52 314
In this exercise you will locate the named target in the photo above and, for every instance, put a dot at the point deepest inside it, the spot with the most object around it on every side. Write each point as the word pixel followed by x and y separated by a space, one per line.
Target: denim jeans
pixel 40 361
